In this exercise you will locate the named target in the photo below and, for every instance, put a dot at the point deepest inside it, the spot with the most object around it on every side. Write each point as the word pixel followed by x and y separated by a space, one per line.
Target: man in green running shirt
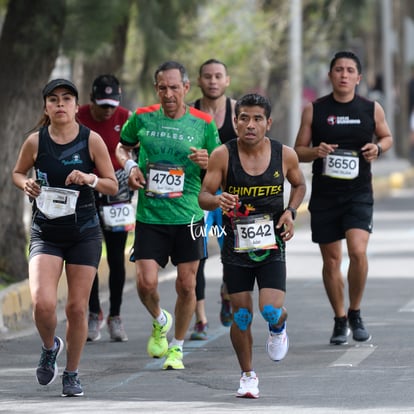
pixel 175 141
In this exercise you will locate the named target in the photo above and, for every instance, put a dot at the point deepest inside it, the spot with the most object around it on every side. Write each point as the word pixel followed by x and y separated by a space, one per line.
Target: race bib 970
pixel 118 217
pixel 342 164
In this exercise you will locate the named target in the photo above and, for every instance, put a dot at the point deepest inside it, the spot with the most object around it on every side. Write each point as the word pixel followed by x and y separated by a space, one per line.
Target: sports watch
pixel 293 211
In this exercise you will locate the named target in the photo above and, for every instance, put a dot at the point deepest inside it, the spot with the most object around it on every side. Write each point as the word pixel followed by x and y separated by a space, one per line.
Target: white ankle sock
pixel 162 319
pixel 177 342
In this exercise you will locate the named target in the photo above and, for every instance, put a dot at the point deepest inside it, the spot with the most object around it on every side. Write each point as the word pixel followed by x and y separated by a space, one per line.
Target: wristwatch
pixel 293 211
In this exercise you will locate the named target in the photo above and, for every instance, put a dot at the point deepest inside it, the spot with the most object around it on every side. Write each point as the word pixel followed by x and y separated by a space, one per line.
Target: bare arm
pixel 295 177
pixel 382 130
pixel 371 151
pixel 213 180
pixel 25 161
pixel 303 147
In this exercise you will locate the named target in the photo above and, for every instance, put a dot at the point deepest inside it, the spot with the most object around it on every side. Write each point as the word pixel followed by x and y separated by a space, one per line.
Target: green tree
pixel 162 28
pixel 95 40
pixel 93 35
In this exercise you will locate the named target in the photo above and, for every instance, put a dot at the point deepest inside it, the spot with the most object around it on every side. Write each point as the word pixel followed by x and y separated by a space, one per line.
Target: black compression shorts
pixel 241 279
pixel 86 250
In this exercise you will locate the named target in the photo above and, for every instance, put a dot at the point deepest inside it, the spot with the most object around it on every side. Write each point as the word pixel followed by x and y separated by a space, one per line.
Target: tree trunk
pixel 29 46
pixel 110 61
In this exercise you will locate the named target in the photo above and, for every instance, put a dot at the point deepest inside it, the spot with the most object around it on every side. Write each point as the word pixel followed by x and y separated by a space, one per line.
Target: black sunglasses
pixel 106 106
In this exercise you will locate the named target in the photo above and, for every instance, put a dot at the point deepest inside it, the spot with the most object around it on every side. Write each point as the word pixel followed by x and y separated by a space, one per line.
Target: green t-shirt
pixel 173 180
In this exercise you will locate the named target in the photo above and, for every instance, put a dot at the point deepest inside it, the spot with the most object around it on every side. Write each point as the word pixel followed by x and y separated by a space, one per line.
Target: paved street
pixel 315 377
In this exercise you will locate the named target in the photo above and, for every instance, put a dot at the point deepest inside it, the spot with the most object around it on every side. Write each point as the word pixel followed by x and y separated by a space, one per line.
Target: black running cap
pixel 59 83
pixel 106 90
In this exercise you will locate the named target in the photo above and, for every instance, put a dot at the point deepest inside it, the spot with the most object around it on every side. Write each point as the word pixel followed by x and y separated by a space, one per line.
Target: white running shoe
pixel 277 345
pixel 249 385
pixel 116 329
pixel 95 324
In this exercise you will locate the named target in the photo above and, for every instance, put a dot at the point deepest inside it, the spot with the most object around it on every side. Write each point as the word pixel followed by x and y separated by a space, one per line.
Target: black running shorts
pixel 182 242
pixel 329 225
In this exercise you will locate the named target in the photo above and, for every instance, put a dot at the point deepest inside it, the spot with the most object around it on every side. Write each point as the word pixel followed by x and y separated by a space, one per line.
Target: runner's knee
pixel 242 318
pixel 271 314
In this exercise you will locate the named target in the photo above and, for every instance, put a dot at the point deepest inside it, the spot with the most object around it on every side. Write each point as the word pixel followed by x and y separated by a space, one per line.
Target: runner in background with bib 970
pixel 106 116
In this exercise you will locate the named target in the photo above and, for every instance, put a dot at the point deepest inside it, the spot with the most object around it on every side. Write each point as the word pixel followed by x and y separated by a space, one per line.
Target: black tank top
pixel 54 162
pixel 258 195
pixel 350 125
pixel 226 132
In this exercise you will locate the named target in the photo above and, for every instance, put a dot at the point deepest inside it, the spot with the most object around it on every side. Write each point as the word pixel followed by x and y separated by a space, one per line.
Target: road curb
pixel 15 300
pixel 16 304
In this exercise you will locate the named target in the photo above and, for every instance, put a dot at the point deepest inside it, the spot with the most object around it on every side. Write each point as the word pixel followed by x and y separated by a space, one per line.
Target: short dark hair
pixel 347 55
pixel 210 62
pixel 254 99
pixel 171 64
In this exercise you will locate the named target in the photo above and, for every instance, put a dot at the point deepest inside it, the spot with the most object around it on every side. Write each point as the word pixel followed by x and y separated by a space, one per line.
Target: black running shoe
pixel 340 331
pixel 47 369
pixel 359 333
pixel 71 385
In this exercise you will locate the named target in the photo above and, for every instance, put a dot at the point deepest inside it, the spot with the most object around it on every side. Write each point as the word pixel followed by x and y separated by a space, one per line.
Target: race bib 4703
pixel 165 181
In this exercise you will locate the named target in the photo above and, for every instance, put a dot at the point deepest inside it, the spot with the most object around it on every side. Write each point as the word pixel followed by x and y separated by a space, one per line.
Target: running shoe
pixel 226 316
pixel 340 332
pixel 71 385
pixel 277 344
pixel 116 329
pixel 47 369
pixel 174 359
pixel 249 385
pixel 95 324
pixel 359 333
pixel 157 345
pixel 200 331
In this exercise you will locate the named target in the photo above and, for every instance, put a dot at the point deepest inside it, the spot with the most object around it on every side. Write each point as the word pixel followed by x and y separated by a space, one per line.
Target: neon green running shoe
pixel 157 345
pixel 174 358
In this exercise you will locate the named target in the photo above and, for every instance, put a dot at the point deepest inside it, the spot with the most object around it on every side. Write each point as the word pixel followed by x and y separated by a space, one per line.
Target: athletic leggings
pixel 200 280
pixel 115 252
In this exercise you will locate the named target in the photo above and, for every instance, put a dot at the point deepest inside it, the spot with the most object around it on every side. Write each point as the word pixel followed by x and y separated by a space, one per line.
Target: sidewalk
pixel 15 301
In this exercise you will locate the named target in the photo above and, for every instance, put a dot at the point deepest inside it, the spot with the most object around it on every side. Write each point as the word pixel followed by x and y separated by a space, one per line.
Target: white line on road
pixel 156 364
pixel 409 307
pixel 354 356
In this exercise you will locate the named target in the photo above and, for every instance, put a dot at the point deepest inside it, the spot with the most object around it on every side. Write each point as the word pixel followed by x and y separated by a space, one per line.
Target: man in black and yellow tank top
pixel 252 170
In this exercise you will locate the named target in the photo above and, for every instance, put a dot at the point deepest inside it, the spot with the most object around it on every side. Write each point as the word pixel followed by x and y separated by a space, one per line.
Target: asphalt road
pixel 315 377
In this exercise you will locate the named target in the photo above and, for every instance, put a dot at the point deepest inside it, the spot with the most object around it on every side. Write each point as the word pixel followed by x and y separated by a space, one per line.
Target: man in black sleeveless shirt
pixel 252 170
pixel 336 134
pixel 213 81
